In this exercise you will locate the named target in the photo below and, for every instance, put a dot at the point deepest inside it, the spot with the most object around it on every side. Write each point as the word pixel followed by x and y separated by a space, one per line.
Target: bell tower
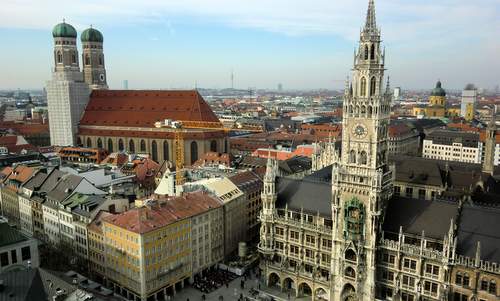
pixel 67 92
pixel 94 71
pixel 362 180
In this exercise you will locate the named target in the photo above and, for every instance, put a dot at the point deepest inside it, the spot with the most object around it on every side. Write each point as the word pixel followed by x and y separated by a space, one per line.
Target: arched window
pixel 213 146
pixel 370 111
pixel 87 59
pixel 349 272
pixel 120 145
pixel 154 151
pixel 143 146
pixel 89 142
pixel 99 143
pixel 466 280
pixel 373 86
pixel 59 57
pixel 366 52
pixel 79 141
pixel 493 287
pixel 352 156
pixel 194 151
pixel 363 110
pixel 110 145
pixel 101 60
pixel 73 58
pixel 131 146
pixel 362 89
pixel 350 255
pixel 363 157
pixel 350 109
pixel 372 52
pixel 165 150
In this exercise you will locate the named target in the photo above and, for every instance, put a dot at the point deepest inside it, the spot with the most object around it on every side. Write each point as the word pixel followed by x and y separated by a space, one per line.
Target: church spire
pixel 371 23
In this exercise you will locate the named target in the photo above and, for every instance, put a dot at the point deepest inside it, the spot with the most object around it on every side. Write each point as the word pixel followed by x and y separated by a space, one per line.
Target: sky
pixel 302 44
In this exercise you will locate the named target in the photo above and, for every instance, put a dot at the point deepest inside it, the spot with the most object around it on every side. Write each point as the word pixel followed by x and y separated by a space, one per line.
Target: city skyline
pixel 178 45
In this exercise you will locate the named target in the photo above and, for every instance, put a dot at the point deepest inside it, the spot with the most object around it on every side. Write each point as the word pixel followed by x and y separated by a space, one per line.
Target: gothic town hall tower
pixel 362 181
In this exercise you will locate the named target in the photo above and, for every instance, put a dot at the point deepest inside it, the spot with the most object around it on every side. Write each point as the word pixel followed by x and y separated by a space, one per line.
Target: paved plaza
pixel 233 292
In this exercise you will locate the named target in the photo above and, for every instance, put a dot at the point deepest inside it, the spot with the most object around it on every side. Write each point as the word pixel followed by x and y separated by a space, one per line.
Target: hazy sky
pixel 299 43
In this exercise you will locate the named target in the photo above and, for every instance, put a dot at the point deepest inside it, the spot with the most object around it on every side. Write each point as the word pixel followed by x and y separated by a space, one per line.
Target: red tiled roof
pixel 398 129
pixel 482 137
pixel 214 158
pixel 201 134
pixel 167 211
pixel 142 108
pixel 15 144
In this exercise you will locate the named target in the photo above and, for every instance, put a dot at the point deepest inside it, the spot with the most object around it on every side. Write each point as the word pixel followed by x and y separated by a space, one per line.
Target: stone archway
pixel 320 294
pixel 273 280
pixel 304 290
pixel 349 293
pixel 289 285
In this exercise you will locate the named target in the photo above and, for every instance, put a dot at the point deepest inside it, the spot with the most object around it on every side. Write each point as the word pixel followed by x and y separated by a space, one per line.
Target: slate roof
pixel 22 285
pixel 447 137
pixel 479 224
pixel 36 181
pixel 65 187
pixel 311 196
pixel 416 215
pixel 9 235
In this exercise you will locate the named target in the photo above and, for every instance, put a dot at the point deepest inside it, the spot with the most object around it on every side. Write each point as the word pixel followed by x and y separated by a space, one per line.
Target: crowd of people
pixel 212 280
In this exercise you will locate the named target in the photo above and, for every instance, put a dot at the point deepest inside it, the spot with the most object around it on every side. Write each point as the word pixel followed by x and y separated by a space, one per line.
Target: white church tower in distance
pixel 67 92
pixel 362 181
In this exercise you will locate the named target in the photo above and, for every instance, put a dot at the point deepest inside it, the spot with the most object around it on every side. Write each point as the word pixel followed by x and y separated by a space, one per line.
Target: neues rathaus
pixel 340 233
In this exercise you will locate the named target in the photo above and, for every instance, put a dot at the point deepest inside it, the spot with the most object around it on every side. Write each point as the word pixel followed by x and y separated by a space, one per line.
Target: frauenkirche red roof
pixel 142 108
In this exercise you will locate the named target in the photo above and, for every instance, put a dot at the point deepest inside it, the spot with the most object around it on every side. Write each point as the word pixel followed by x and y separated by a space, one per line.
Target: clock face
pixel 359 131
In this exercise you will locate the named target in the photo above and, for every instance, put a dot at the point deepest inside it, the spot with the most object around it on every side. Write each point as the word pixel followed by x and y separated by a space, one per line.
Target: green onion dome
pixel 92 35
pixel 64 30
pixel 438 91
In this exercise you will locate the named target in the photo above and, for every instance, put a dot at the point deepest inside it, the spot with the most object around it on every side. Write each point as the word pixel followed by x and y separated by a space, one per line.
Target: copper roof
pixel 168 210
pixel 142 108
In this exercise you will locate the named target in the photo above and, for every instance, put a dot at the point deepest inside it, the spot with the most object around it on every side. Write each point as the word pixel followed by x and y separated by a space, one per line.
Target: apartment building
pixel 149 249
pixel 452 146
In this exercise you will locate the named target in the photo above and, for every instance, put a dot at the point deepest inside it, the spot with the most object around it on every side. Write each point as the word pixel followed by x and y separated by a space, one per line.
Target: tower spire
pixel 371 23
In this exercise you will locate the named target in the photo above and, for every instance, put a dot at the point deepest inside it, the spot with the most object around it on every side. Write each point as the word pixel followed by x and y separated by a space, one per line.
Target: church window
pixel 131 146
pixel 352 156
pixel 99 143
pixel 363 158
pixel 372 52
pixel 73 58
pixel 350 109
pixel 59 57
pixel 87 59
pixel 363 110
pixel 194 152
pixel 366 52
pixel 369 111
pixel 143 146
pixel 121 147
pixel 89 142
pixel 110 145
pixel 213 146
pixel 373 86
pixel 154 151
pixel 165 150
pixel 362 89
pixel 101 60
